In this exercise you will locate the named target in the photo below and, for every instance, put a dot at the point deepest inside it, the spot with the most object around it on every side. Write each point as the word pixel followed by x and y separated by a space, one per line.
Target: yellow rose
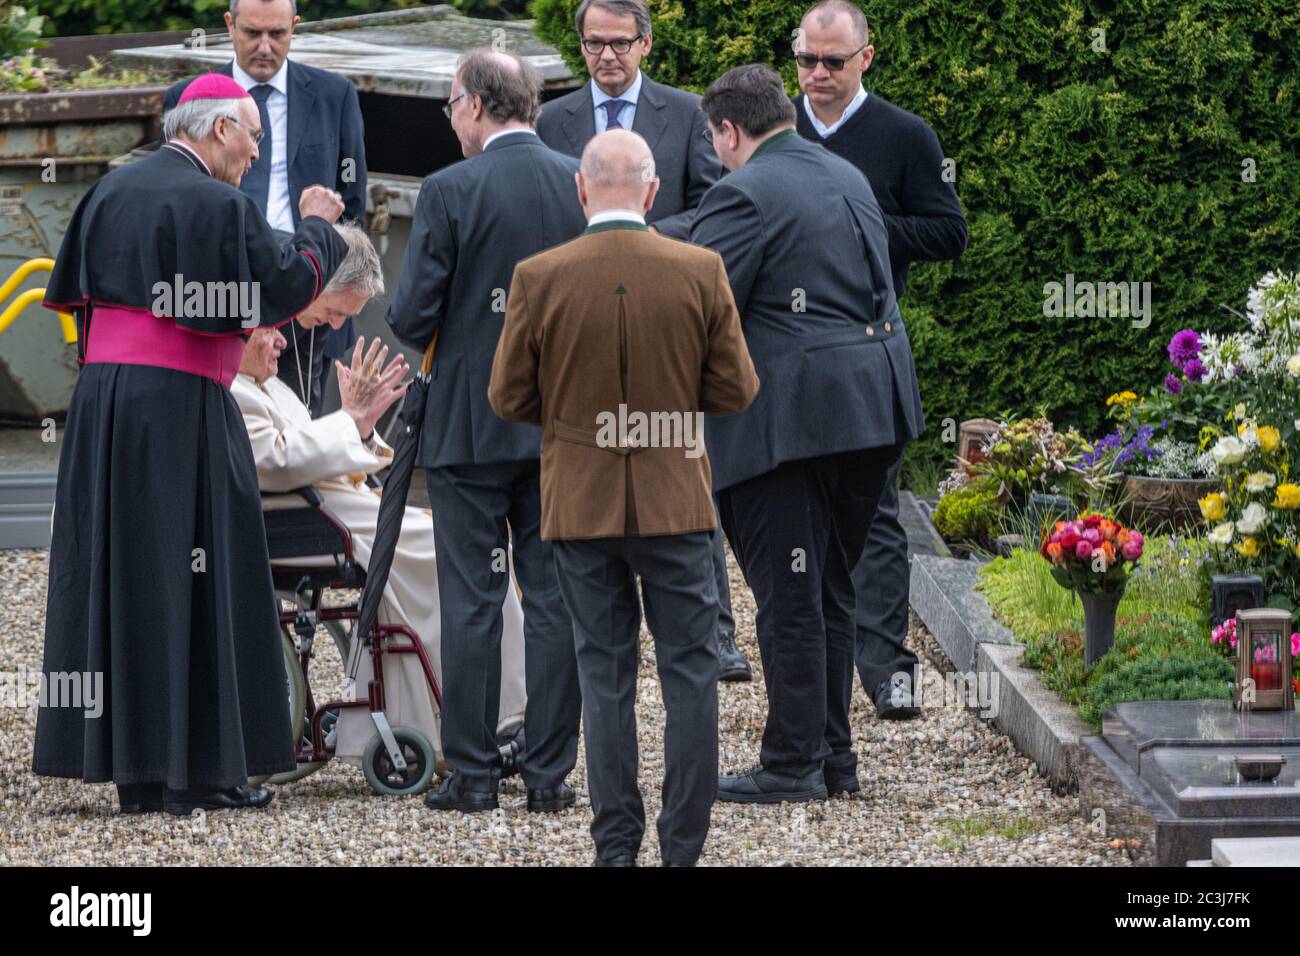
pixel 1214 506
pixel 1247 547
pixel 1269 438
pixel 1288 496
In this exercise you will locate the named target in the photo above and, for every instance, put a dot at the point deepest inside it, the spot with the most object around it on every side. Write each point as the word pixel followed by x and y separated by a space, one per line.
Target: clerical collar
pixel 772 141
pixel 279 82
pixel 189 154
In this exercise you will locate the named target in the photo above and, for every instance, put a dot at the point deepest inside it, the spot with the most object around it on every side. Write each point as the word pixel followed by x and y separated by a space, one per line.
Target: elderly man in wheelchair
pixel 321 506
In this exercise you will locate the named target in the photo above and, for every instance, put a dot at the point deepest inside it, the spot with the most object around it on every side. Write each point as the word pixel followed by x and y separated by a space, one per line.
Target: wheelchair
pixel 311 553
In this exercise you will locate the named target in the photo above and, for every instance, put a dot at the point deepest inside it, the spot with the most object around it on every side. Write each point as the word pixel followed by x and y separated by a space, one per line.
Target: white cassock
pixel 291 451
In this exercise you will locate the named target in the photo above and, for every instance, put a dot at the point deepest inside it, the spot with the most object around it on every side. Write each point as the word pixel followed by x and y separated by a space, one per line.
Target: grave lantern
pixel 1264 659
pixel 971 437
pixel 1234 592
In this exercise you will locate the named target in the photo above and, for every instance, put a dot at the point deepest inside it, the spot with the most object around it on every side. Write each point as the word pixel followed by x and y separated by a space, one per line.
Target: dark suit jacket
pixel 670 121
pixel 474 221
pixel 324 129
pixel 807 254
pixel 655 330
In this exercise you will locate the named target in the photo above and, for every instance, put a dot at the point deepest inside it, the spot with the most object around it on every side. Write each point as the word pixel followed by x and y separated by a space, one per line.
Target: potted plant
pixel 1092 556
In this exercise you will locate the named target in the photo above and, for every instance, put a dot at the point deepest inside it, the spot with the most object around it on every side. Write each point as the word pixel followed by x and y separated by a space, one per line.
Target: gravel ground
pixel 944 789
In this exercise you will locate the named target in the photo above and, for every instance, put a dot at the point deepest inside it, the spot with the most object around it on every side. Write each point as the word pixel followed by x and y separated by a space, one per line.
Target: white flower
pixel 1228 450
pixel 1293 365
pixel 1222 534
pixel 1260 481
pixel 1252 519
pixel 1239 411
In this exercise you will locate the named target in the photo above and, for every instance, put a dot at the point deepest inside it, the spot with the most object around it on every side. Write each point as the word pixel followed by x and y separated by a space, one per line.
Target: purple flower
pixel 1173 384
pixel 1194 370
pixel 1183 347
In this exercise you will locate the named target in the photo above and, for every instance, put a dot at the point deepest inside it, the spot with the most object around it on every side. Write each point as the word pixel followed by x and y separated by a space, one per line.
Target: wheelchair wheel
pixel 297 693
pixel 386 779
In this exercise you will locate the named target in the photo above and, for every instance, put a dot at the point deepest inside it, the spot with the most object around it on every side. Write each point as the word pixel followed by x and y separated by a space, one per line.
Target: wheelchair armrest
pixel 309 495
pixel 304 531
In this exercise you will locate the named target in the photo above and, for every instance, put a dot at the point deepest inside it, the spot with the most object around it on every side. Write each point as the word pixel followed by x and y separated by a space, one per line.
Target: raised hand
pixel 367 388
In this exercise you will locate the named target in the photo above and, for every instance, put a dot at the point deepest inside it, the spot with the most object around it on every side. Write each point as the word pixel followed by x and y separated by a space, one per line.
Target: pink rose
pixel 1092 536
pixel 1132 551
pixel 1295 644
pixel 1083 550
pixel 1069 538
pixel 1136 536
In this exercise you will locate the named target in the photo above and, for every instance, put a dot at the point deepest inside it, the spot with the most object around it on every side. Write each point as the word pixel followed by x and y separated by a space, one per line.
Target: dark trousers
pixel 726 622
pixel 478 510
pixel 797 532
pixel 598 578
pixel 882 582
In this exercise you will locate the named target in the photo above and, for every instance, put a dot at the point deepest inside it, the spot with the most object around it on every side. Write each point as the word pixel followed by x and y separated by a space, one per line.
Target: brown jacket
pixel 613 343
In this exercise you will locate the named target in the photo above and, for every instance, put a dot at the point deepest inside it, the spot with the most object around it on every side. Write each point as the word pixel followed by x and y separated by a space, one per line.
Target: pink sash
pixel 138 337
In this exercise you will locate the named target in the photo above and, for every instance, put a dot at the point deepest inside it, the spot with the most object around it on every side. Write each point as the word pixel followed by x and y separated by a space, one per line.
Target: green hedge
pixel 1118 166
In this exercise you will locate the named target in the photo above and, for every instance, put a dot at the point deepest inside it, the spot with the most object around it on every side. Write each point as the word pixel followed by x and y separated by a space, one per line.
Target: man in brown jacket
pixel 617 343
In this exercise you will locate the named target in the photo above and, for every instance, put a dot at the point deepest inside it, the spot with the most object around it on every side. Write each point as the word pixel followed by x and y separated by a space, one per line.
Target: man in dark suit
pixel 901 158
pixel 798 474
pixel 512 198
pixel 616 36
pixel 312 133
pixel 619 505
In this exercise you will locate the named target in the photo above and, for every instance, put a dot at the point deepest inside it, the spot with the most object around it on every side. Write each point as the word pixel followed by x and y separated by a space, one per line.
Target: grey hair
pixel 234 8
pixel 620 8
pixel 361 270
pixel 196 118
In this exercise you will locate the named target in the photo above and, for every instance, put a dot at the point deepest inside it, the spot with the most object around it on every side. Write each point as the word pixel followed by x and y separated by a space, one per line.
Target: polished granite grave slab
pixel 1166 779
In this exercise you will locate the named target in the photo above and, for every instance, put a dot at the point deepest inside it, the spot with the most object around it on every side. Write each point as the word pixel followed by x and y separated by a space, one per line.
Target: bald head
pixel 618 172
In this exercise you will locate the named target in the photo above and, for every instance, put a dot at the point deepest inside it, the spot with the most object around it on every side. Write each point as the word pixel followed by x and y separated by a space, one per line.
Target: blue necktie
pixel 258 181
pixel 612 109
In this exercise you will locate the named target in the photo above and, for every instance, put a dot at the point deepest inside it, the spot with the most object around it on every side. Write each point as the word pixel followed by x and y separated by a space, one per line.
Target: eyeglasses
pixel 833 63
pixel 707 133
pixel 446 110
pixel 620 46
pixel 255 134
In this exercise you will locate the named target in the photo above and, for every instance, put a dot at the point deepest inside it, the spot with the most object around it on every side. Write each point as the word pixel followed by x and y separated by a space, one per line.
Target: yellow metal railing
pixel 15 308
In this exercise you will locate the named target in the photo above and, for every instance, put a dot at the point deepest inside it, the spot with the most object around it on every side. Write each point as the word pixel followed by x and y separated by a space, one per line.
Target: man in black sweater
pixel 900 156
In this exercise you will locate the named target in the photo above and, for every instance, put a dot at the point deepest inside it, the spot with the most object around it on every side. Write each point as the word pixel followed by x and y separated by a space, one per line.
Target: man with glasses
pixel 900 156
pixel 616 37
pixel 474 221
pixel 312 133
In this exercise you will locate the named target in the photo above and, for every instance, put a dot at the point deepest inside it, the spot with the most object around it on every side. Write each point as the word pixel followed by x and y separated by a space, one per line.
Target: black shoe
pixel 839 782
pixel 671 863
pixel 510 743
pixel 182 803
pixel 140 797
pixel 449 797
pixel 893 699
pixel 551 801
pixel 760 785
pixel 621 859
pixel 732 665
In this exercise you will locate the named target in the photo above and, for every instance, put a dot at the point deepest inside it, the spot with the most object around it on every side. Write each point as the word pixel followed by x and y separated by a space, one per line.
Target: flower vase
pixel 1099 623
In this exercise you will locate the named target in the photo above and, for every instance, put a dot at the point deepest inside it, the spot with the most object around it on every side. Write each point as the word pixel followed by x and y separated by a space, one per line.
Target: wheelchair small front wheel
pixel 385 778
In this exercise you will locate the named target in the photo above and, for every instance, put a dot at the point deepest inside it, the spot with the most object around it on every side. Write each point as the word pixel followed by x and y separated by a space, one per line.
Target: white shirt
pixel 822 129
pixel 627 115
pixel 279 211
pixel 506 132
pixel 616 215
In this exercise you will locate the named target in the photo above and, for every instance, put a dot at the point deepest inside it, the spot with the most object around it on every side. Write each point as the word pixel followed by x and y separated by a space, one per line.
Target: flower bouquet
pixel 1092 556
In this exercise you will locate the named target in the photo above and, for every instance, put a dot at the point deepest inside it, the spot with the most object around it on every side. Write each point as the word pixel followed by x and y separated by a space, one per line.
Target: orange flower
pixel 1054 553
pixel 1109 549
pixel 1108 529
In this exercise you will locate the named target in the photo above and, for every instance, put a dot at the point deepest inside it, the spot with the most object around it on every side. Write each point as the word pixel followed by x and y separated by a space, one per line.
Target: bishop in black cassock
pixel 159 574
